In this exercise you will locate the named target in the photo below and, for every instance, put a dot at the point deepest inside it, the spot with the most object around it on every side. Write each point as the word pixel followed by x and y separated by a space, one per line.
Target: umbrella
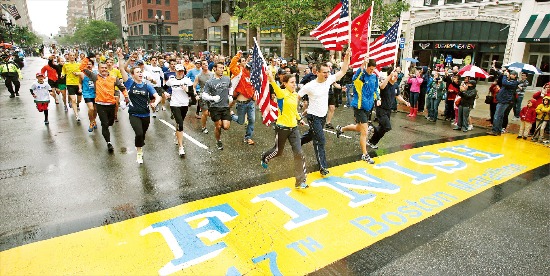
pixel 6 45
pixel 523 67
pixel 473 72
pixel 410 59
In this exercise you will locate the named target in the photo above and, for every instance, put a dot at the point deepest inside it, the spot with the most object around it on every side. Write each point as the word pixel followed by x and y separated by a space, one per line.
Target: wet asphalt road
pixel 60 179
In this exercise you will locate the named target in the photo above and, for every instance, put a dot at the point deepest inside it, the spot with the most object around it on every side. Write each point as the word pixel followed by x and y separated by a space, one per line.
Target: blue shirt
pixel 88 88
pixel 139 95
pixel 364 99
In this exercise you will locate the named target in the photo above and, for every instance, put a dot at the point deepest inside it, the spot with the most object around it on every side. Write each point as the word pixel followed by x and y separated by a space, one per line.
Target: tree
pixel 297 17
pixel 94 33
pixel 23 36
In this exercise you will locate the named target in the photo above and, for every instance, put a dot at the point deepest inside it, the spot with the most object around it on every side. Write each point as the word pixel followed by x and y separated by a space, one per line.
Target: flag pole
pixel 370 28
pixel 349 31
pixel 399 38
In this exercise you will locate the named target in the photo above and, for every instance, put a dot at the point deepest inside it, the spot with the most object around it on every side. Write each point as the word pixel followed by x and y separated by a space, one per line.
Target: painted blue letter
pixel 444 164
pixel 418 178
pixel 477 155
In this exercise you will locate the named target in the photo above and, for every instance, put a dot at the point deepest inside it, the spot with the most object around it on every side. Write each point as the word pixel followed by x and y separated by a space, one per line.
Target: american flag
pixel 258 78
pixel 12 10
pixel 360 38
pixel 384 48
pixel 333 32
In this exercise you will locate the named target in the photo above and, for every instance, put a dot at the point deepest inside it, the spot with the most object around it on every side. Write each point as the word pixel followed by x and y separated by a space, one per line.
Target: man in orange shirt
pixel 105 99
pixel 243 94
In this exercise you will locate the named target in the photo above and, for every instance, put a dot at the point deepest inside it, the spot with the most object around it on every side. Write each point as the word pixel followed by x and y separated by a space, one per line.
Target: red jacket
pixel 244 87
pixel 51 73
pixel 528 114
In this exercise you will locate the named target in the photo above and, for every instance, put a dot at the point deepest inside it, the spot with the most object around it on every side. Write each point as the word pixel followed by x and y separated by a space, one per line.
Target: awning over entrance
pixel 537 29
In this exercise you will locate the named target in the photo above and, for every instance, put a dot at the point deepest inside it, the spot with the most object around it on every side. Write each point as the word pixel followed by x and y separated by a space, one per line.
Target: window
pixel 167 30
pixel 215 33
pixel 140 29
pixel 159 2
pixel 167 15
pixel 150 14
pixel 149 1
pixel 140 15
pixel 159 13
pixel 152 29
pixel 135 30
pixel 139 2
pixel 167 2
pixel 134 15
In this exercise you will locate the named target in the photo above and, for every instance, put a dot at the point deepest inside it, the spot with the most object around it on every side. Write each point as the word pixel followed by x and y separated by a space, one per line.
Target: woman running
pixel 61 82
pixel 87 86
pixel 139 94
pixel 287 128
pixel 179 101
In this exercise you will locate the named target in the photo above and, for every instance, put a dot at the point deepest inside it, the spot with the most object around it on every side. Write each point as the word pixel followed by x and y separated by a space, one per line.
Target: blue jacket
pixel 508 90
pixel 365 98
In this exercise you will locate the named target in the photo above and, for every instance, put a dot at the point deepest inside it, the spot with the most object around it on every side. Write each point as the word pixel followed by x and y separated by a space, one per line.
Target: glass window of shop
pixel 539 57
pixel 243 28
pixel 215 33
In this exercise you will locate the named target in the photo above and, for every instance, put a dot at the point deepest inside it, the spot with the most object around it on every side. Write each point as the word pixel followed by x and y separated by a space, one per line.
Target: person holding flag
pixel 363 103
pixel 317 92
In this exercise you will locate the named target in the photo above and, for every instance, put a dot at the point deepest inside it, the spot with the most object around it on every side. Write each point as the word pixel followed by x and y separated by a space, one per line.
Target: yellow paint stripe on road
pixel 274 229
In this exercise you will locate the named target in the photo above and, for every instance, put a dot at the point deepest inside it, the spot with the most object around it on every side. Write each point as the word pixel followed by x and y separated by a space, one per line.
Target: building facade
pixel 461 32
pixel 21 5
pixel 152 24
pixel 76 9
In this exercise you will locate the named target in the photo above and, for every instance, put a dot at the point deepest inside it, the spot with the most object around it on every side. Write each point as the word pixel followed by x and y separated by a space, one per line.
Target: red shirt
pixel 49 72
pixel 528 114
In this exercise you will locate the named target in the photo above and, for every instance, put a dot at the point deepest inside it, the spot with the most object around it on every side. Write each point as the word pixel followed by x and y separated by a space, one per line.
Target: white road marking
pixel 201 145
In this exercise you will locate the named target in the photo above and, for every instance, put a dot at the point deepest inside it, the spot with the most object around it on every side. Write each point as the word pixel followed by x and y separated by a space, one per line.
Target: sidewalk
pixel 480 114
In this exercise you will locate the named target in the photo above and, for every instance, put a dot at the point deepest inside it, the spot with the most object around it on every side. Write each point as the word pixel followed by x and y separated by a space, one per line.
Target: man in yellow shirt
pixel 115 73
pixel 75 94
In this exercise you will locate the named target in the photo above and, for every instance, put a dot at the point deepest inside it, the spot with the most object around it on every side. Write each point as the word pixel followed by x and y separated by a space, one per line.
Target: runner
pixel 87 87
pixel 198 85
pixel 115 73
pixel 50 72
pixel 362 104
pixel 139 93
pixel 192 74
pixel 286 128
pixel 244 94
pixel 388 92
pixel 317 92
pixel 157 76
pixel 40 91
pixel 75 95
pixel 61 82
pixel 216 90
pixel 179 101
pixel 105 99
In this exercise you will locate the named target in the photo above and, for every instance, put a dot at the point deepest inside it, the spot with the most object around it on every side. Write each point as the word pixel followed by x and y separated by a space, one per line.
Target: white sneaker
pixel 181 151
pixel 154 114
pixel 470 127
pixel 163 108
pixel 139 158
pixel 78 118
pixel 205 130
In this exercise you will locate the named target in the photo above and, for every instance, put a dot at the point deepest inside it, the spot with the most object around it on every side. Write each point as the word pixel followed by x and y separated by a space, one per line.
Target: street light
pixel 105 32
pixel 124 31
pixel 161 25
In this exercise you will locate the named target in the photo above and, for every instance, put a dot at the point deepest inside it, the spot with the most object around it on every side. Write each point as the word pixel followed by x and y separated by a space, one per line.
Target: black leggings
pixel 106 114
pixel 179 115
pixel 140 126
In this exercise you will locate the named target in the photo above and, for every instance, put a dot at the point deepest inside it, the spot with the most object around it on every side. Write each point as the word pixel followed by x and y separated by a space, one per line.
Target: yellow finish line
pixel 275 229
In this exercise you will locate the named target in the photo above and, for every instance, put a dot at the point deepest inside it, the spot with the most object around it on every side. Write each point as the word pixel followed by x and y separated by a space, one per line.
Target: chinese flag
pixel 360 38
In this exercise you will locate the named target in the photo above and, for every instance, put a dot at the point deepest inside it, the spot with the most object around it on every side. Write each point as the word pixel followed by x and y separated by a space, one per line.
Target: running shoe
pixel 12 95
pixel 139 158
pixel 302 185
pixel 204 130
pixel 154 114
pixel 250 142
pixel 181 152
pixel 220 145
pixel 339 131
pixel 264 164
pixel 17 94
pixel 163 108
pixel 367 158
pixel 470 127
pixel 329 126
pixel 78 109
pixel 110 147
pixel 77 118
pixel 116 118
pixel 372 146
pixel 66 109
pixel 370 131
pixel 324 171
pixel 95 124
pixel 46 122
pixel 91 127
pixel 70 104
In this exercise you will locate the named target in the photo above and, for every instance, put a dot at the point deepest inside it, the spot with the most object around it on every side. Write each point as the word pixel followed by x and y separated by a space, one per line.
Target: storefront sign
pixel 455 46
pixel 422 45
pixel 458 14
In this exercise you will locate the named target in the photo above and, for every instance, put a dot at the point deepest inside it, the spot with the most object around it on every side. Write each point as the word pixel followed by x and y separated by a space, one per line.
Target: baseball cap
pixel 140 62
pixel 39 74
pixel 283 62
pixel 179 67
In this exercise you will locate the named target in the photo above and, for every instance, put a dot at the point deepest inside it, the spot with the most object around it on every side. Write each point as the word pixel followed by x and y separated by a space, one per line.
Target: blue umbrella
pixel 523 67
pixel 410 59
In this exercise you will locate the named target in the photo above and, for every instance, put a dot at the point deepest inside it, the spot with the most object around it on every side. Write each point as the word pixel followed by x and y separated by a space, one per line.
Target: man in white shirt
pixel 317 91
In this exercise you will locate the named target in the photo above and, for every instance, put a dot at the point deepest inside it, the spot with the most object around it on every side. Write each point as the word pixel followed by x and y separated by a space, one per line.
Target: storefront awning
pixel 537 29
